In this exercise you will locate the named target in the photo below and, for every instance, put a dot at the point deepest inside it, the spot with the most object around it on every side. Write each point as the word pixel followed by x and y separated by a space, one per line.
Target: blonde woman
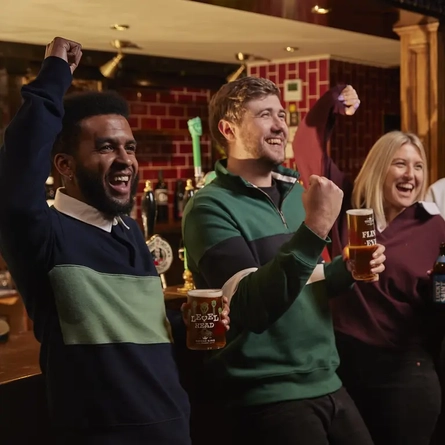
pixel 384 329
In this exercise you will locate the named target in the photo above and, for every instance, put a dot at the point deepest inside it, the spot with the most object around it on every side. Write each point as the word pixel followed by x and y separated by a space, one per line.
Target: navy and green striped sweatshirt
pixel 94 295
pixel 281 342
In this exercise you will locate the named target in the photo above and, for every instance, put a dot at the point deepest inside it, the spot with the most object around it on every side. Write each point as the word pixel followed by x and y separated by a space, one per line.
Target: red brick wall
pixel 168 111
pixel 378 88
pixel 166 143
pixel 379 93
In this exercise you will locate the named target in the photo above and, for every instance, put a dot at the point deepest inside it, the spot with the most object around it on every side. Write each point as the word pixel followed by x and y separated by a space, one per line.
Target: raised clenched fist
pixel 65 49
pixel 350 100
pixel 322 201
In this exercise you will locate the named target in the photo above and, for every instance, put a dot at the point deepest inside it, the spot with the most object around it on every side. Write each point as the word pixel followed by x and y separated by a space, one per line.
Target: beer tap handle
pixel 195 130
pixel 151 220
pixel 149 210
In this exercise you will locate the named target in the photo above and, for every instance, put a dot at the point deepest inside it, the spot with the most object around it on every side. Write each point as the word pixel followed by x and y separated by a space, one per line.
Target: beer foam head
pixel 205 293
pixel 360 212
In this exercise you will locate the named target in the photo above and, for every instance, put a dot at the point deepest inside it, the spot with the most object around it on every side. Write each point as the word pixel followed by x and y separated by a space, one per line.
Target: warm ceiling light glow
pixel 119 27
pixel 240 56
pixel 319 10
pixel 290 49
pixel 143 83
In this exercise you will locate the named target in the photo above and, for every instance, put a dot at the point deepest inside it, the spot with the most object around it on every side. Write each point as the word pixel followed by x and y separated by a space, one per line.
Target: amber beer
pixel 206 330
pixel 362 242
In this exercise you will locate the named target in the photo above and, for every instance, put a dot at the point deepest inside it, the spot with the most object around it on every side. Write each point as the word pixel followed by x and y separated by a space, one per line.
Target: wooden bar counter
pixel 23 409
pixel 174 298
pixel 19 356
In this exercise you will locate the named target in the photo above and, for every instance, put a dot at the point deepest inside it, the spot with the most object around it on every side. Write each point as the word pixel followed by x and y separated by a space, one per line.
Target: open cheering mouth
pixel 275 141
pixel 405 187
pixel 120 182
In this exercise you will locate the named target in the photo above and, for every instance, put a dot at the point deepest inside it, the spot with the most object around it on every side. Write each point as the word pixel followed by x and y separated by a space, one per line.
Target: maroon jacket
pixel 310 153
pixel 394 312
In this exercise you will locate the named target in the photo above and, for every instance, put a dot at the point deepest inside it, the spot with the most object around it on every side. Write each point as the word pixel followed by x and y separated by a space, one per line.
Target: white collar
pixel 83 212
pixel 430 207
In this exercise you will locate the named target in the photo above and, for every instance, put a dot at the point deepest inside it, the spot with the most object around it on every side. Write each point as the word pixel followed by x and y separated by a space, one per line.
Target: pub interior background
pixel 172 55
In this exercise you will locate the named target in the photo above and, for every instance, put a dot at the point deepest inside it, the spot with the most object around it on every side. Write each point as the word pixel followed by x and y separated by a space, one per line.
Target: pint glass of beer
pixel 362 242
pixel 205 330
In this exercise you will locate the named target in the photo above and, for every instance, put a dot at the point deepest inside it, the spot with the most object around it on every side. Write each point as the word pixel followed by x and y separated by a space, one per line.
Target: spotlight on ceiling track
pixel 119 27
pixel 320 10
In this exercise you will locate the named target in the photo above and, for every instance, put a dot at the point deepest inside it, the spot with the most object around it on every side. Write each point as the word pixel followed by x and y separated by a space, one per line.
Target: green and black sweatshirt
pixel 281 343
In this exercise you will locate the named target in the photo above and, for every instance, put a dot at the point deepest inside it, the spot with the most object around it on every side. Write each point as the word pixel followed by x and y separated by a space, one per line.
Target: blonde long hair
pixel 368 186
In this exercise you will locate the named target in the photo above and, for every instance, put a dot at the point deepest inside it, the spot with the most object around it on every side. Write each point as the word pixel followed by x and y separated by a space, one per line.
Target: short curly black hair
pixel 79 106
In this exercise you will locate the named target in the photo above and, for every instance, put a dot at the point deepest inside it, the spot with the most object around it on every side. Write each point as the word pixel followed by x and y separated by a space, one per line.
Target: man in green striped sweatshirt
pixel 255 232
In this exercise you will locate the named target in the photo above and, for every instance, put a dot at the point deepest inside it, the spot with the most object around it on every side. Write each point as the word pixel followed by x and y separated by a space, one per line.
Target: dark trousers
pixel 165 433
pixel 397 393
pixel 327 420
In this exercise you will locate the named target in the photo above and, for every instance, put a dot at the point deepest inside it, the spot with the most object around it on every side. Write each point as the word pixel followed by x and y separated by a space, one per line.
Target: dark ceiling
pixel 373 17
pixel 434 8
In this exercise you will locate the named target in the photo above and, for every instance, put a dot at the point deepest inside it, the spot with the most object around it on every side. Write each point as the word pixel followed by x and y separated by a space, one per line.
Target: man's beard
pixel 93 190
pixel 261 154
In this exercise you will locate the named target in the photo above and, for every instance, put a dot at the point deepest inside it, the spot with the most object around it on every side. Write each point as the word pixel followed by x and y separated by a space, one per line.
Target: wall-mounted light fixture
pixel 236 74
pixel 110 68
pixel 242 57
